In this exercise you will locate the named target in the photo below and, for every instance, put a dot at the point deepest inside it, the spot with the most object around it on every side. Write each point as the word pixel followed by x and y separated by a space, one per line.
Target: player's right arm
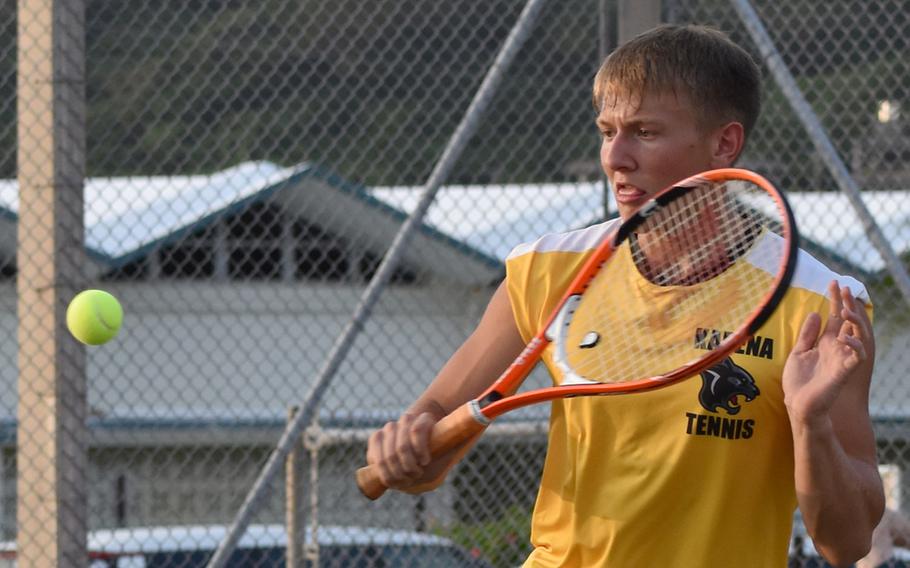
pixel 400 449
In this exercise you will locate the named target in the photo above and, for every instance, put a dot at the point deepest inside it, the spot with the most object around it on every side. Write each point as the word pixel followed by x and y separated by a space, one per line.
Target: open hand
pixel 821 364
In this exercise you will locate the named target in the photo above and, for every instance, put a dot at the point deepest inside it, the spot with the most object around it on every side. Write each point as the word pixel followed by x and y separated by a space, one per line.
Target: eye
pixel 645 133
pixel 607 133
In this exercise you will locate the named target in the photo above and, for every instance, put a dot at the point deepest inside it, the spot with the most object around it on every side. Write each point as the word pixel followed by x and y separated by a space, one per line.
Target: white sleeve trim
pixel 572 241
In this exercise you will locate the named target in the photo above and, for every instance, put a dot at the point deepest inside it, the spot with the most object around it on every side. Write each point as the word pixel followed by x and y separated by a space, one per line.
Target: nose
pixel 617 153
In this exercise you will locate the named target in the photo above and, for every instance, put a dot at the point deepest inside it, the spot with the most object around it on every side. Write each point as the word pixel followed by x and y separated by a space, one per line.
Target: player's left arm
pixel 826 390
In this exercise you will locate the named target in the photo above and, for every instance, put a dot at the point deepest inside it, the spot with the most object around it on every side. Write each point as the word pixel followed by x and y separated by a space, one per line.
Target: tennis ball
pixel 94 317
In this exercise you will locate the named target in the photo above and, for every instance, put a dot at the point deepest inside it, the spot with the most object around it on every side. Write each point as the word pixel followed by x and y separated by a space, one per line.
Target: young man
pixel 633 480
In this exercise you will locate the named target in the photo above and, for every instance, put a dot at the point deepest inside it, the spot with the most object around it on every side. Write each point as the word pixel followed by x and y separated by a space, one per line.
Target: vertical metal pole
pixel 606 27
pixel 294 501
pixel 606 43
pixel 312 441
pixel 636 16
pixel 620 21
pixel 51 436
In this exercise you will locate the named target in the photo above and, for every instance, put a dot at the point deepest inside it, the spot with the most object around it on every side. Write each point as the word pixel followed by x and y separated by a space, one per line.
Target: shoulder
pixel 811 274
pixel 577 241
pixel 538 272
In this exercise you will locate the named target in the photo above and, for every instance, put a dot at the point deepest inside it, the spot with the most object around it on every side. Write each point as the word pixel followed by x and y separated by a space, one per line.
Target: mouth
pixel 629 194
pixel 733 400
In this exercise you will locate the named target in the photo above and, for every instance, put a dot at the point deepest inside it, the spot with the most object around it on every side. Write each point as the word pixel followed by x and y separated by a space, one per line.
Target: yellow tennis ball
pixel 94 317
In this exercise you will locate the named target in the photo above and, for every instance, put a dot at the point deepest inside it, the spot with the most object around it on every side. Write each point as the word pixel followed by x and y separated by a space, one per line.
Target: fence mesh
pixel 248 164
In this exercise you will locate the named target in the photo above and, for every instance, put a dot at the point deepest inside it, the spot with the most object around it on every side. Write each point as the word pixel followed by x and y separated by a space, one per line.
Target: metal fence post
pixel 635 17
pixel 51 435
pixel 294 501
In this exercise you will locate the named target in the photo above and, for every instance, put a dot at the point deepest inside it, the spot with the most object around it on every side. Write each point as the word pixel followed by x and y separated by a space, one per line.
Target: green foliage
pixel 502 542
pixel 845 100
pixel 374 90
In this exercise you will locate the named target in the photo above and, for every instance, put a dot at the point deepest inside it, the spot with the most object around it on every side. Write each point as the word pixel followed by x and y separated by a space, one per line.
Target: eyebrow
pixel 638 121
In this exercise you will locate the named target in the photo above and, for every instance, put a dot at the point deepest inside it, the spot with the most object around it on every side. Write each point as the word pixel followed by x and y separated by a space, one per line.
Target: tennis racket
pixel 718 249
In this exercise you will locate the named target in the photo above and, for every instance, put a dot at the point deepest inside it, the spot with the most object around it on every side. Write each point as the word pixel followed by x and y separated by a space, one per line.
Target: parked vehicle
pixel 264 546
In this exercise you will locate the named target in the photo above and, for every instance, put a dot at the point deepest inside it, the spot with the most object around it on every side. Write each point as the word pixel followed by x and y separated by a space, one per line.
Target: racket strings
pixel 694 273
pixel 695 238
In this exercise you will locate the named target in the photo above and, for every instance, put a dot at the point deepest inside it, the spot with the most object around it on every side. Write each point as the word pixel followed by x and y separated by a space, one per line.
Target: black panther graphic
pixel 723 384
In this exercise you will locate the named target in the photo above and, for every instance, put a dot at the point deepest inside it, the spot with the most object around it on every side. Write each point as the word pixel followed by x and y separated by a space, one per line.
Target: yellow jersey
pixel 696 474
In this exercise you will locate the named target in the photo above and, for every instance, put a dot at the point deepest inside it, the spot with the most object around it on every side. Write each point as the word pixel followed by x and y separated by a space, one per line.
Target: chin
pixel 625 211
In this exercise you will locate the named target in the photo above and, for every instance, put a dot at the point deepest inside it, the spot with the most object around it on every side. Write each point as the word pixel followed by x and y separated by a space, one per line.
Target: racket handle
pixel 453 430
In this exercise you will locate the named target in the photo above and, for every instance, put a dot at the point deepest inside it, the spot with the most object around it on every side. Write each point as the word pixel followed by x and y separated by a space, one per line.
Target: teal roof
pixel 126 217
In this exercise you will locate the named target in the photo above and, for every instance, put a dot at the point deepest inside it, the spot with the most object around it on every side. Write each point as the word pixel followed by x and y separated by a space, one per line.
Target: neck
pixel 663 262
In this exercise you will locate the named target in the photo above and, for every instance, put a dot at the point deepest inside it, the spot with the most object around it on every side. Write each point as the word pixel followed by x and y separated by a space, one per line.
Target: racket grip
pixel 453 430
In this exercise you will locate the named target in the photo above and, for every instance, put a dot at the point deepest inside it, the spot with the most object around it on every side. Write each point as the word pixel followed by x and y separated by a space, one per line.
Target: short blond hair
pixel 719 78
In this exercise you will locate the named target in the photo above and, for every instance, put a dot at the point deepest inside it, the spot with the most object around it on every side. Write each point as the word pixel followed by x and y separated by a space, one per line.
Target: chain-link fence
pixel 248 164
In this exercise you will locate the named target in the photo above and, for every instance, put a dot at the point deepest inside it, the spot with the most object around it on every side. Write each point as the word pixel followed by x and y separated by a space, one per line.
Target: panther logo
pixel 723 384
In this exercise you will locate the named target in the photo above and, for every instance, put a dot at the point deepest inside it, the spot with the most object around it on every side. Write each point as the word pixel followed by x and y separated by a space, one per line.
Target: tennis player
pixel 706 472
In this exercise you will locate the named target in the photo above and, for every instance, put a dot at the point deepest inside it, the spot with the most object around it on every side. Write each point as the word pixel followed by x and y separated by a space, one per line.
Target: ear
pixel 727 143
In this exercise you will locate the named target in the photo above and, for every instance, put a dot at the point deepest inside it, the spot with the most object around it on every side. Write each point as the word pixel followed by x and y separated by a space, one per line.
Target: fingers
pixel 808 333
pixel 849 323
pixel 399 456
pixel 855 331
pixel 857 347
pixel 400 450
pixel 835 307
pixel 420 438
pixel 854 311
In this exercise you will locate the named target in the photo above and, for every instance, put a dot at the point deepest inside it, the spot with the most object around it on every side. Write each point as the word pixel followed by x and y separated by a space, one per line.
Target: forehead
pixel 661 105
